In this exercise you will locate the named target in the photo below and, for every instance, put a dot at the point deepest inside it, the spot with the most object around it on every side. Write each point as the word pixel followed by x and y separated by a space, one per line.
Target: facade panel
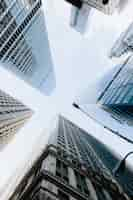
pixel 118 94
pixel 124 43
pixel 21 50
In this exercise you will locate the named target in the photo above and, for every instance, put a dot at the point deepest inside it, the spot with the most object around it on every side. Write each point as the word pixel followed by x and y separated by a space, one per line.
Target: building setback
pixel 13 115
pixel 72 167
pixel 24 45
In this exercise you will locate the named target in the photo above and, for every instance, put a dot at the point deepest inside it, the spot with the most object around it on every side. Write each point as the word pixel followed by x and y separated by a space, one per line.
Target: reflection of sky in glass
pixel 124 43
pixel 118 90
pixel 78 61
pixel 29 54
pixel 114 95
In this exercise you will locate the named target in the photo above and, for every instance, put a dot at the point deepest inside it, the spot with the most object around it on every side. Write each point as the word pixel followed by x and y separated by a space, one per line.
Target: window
pixel 116 95
pixel 125 90
pixel 2 7
pixel 128 96
pixel 62 170
pixel 81 183
pixel 19 30
pixel 28 3
pixel 62 195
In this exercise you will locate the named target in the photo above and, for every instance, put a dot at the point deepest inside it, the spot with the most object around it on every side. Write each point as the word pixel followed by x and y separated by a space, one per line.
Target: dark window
pixel 62 170
pixel 62 195
pixel 81 183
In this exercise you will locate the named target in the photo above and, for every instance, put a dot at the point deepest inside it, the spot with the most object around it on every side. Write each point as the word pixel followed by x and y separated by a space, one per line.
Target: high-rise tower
pixel 24 45
pixel 74 166
pixel 13 115
pixel 118 95
pixel 124 43
pixel 106 6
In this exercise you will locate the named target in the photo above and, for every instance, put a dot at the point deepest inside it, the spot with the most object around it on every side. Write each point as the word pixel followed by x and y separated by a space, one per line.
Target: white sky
pixel 78 60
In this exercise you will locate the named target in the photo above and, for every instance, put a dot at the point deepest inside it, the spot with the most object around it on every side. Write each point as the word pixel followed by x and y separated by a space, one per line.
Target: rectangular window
pixel 128 96
pixel 62 170
pixel 125 90
pixel 116 94
pixel 81 184
pixel 62 195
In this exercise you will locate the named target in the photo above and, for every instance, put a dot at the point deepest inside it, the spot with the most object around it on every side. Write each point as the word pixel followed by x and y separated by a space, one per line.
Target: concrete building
pixel 124 44
pixel 118 95
pixel 13 115
pixel 24 45
pixel 74 166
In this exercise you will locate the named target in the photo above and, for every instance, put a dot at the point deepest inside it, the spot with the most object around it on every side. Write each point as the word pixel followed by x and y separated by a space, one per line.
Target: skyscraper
pixel 24 45
pixel 13 115
pixel 74 166
pixel 106 6
pixel 79 18
pixel 124 44
pixel 81 11
pixel 118 95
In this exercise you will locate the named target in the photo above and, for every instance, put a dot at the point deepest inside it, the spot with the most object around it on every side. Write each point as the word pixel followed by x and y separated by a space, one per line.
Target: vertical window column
pixel 62 170
pixel 81 184
pixel 72 178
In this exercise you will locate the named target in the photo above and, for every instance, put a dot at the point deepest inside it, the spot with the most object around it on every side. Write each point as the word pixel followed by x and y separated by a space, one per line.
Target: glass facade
pixel 21 51
pixel 124 43
pixel 118 95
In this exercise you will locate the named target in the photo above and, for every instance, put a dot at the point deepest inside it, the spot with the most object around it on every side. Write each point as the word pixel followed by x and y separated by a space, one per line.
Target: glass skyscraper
pixel 24 45
pixel 118 95
pixel 124 43
pixel 73 166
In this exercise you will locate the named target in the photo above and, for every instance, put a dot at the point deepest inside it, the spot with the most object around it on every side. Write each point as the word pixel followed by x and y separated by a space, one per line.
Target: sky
pixel 78 61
